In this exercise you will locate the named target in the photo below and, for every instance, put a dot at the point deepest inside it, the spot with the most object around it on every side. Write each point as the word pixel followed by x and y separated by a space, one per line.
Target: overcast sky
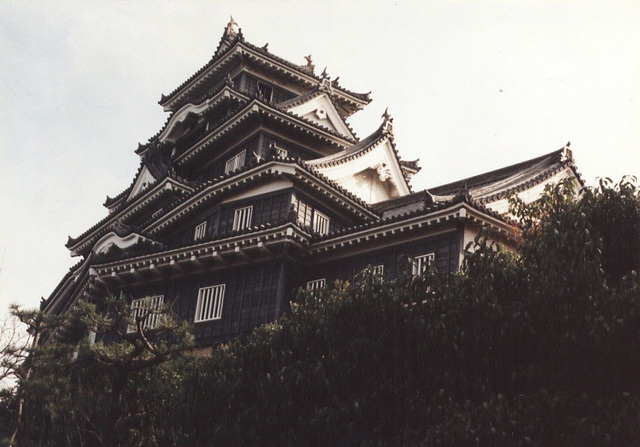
pixel 471 86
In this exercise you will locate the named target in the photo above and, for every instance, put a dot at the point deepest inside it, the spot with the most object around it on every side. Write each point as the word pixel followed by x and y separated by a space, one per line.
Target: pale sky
pixel 471 86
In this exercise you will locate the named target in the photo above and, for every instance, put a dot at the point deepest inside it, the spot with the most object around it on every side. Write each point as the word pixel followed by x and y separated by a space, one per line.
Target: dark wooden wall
pixel 268 208
pixel 254 295
pixel 393 258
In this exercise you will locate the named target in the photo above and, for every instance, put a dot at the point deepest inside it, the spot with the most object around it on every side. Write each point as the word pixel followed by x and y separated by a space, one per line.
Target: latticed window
pixel 320 223
pixel 316 284
pixel 305 212
pixel 422 262
pixel 242 218
pixel 200 231
pixel 265 90
pixel 149 308
pixel 235 162
pixel 209 305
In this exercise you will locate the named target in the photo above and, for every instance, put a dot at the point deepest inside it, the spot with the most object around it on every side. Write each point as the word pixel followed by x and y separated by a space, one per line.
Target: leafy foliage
pixel 539 347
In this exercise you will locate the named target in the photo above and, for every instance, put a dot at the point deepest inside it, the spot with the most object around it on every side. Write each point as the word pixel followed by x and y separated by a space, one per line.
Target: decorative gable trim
pixel 189 108
pixel 267 169
pixel 349 171
pixel 144 182
pixel 321 110
pixel 83 242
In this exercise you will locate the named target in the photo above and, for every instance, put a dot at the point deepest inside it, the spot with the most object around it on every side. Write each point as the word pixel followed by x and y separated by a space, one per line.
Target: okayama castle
pixel 256 185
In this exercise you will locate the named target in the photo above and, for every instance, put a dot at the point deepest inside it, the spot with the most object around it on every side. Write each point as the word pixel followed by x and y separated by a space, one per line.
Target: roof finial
pixel 309 67
pixel 566 152
pixel 324 73
pixel 387 122
pixel 230 27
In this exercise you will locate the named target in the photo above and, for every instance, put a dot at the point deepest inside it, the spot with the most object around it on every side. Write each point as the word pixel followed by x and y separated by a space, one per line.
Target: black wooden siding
pixel 337 222
pixel 393 258
pixel 268 208
pixel 258 145
pixel 248 84
pixel 254 295
pixel 216 169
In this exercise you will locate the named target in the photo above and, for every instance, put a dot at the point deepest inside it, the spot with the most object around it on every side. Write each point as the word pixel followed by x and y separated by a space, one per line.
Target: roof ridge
pixel 483 178
pixel 238 39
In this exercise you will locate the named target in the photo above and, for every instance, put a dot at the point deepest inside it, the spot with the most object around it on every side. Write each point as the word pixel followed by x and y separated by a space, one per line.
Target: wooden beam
pixel 196 261
pixel 240 251
pixel 217 257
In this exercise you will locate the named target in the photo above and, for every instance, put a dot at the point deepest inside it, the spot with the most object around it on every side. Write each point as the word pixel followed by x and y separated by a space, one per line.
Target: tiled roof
pixel 502 182
pixel 361 148
pixel 114 214
pixel 249 108
pixel 241 98
pixel 296 101
pixel 428 209
pixel 298 162
pixel 239 40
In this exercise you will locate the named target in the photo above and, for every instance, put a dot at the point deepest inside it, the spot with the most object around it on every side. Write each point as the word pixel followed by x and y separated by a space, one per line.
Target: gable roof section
pixel 377 152
pixel 429 215
pixel 209 101
pixel 124 210
pixel 319 108
pixel 261 107
pixel 231 182
pixel 500 183
pixel 236 50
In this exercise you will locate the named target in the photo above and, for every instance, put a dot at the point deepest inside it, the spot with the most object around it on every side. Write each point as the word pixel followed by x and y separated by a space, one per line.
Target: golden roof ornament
pixel 231 27
pixel 387 122
pixel 566 152
pixel 310 66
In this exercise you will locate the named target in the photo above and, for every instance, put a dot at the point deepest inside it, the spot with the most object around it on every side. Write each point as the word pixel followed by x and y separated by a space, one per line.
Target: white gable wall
pixel 501 206
pixel 143 182
pixel 320 110
pixel 373 177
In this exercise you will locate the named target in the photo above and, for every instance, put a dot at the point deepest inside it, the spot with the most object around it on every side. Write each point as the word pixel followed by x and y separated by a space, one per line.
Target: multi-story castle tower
pixel 257 185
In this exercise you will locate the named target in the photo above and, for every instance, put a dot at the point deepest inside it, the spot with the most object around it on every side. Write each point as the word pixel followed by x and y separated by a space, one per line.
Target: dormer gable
pixel 321 110
pixel 144 181
pixel 112 241
pixel 370 170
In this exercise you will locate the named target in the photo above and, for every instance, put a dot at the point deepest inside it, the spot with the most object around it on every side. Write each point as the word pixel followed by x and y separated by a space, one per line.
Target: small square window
pixel 235 162
pixel 378 270
pixel 242 218
pixel 209 305
pixel 149 308
pixel 422 262
pixel 265 90
pixel 200 231
pixel 320 223
pixel 316 284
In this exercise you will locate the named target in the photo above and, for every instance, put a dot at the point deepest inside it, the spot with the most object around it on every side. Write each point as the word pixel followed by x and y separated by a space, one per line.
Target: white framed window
pixel 378 270
pixel 304 211
pixel 316 284
pixel 235 162
pixel 209 305
pixel 148 308
pixel 200 231
pixel 242 218
pixel 265 90
pixel 422 262
pixel 320 223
